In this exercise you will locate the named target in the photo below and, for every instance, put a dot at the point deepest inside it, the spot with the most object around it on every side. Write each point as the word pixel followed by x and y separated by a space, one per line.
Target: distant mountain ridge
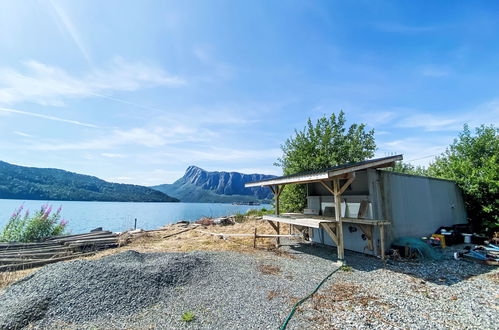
pixel 198 185
pixel 20 182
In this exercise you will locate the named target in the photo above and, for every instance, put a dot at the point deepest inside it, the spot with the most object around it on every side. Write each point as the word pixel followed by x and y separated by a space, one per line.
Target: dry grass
pixel 193 240
pixel 269 269
pixel 165 240
pixel 272 294
pixel 7 278
pixel 494 277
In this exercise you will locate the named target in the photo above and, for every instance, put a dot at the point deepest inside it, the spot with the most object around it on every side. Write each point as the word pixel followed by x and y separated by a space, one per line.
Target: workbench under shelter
pixel 349 206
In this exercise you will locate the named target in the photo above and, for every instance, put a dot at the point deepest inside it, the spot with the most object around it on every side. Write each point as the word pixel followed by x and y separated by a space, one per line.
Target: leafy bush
pixel 26 229
pixel 472 161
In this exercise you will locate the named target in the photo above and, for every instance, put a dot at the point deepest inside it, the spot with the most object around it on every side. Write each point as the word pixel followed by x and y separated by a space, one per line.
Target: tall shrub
pixel 328 142
pixel 472 160
pixel 23 228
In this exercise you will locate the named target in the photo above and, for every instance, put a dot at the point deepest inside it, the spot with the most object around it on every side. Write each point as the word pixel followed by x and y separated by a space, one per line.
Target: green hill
pixel 20 182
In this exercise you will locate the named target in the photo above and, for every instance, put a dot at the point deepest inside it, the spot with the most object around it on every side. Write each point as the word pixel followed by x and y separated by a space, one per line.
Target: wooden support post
pixel 339 229
pixel 382 241
pixel 254 240
pixel 368 231
pixel 278 191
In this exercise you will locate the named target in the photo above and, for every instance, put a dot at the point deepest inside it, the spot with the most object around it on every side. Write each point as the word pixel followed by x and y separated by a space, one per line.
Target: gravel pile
pixel 88 289
pixel 228 290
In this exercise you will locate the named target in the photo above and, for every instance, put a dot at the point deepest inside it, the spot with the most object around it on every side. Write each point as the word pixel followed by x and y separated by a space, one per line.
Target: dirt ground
pixel 183 238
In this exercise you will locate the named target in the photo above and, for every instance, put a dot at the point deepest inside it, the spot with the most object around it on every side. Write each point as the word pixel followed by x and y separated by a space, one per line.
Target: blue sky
pixel 135 91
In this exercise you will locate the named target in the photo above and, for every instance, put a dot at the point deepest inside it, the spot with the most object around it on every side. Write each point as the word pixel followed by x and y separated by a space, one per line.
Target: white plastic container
pixel 467 238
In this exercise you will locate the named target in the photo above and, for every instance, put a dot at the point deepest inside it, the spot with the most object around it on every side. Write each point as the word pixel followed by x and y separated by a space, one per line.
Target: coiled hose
pixel 301 301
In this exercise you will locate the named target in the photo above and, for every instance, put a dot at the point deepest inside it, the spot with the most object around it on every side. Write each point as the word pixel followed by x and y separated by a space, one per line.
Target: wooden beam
pixel 348 183
pixel 368 231
pixel 329 230
pixel 327 187
pixel 273 225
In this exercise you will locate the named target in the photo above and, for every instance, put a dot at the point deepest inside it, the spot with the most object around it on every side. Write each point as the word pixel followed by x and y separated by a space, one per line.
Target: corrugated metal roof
pixel 327 172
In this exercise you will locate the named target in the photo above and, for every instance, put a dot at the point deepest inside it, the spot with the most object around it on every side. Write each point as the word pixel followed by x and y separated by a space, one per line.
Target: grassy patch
pixel 188 317
pixel 259 213
pixel 346 268
pixel 239 217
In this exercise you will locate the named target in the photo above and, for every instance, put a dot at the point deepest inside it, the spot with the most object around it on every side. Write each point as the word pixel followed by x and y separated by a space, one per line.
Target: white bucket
pixel 467 238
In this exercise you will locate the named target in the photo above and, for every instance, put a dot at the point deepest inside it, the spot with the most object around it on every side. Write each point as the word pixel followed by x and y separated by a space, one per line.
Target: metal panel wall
pixel 417 206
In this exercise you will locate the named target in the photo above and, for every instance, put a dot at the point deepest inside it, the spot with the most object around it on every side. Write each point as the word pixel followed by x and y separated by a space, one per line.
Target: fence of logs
pixel 16 256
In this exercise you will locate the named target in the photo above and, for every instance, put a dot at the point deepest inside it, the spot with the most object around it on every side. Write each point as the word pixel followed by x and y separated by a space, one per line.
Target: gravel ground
pixel 252 291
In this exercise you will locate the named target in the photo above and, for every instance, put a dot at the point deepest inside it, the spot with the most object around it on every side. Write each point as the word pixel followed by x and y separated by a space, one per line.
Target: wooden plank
pixel 85 237
pixel 254 240
pixel 34 251
pixel 179 232
pixel 38 263
pixel 363 209
pixel 96 233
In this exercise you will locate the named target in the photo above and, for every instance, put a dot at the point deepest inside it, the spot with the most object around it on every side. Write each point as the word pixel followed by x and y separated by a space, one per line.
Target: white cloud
pixel 111 155
pixel 407 29
pixel 69 27
pixel 48 85
pixel 53 118
pixel 151 137
pixel 22 134
pixel 433 71
pixel 417 151
pixel 486 113
pixel 430 122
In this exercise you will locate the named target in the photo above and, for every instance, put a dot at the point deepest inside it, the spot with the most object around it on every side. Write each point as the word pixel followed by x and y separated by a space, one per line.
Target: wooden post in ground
pixel 254 240
pixel 382 240
pixel 339 223
pixel 278 191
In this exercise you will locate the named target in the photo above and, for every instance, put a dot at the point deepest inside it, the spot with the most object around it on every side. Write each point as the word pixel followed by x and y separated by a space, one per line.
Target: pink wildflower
pixel 63 223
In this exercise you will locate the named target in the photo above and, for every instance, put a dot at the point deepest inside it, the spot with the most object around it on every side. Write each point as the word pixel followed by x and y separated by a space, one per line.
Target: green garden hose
pixel 285 324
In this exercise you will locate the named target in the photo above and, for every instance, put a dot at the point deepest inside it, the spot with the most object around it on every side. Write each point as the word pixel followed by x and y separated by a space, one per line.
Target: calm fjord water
pixel 119 216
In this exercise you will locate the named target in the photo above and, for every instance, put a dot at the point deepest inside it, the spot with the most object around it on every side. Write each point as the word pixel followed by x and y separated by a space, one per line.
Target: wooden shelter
pixel 355 201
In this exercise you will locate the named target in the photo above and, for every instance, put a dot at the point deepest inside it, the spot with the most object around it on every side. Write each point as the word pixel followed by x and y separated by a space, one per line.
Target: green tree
pixel 327 143
pixel 407 168
pixel 472 161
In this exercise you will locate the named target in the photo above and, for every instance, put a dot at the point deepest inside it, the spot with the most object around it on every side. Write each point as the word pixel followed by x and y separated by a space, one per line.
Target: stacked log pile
pixel 15 256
